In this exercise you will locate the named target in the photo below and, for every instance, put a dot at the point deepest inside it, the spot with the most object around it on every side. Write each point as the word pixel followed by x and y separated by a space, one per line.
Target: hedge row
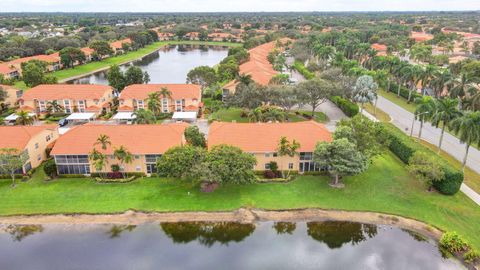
pixel 349 108
pixel 404 92
pixel 405 147
pixel 300 67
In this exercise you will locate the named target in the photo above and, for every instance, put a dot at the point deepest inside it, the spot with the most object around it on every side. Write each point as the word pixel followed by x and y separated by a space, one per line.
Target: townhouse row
pixel 149 142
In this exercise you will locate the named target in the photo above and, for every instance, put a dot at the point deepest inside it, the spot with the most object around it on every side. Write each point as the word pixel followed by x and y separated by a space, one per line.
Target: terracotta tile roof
pixel 67 91
pixel 46 58
pixel 191 108
pixel 421 36
pixel 264 137
pixel 118 44
pixel 19 136
pixel 6 69
pixel 379 47
pixel 138 139
pixel 125 108
pixel 258 67
pixel 26 108
pixel 87 51
pixel 179 91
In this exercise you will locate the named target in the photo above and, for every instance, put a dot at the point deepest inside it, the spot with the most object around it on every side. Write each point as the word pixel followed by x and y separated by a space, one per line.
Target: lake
pixel 169 64
pixel 206 245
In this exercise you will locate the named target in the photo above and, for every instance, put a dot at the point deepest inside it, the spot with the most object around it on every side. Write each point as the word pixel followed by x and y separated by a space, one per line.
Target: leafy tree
pixel 102 48
pixel 98 159
pixel 446 110
pixel 33 73
pixel 134 75
pixel 284 227
pixel 314 92
pixel 284 96
pixel 115 78
pixel 123 155
pixel 248 96
pixel 423 112
pixel 54 106
pixel 204 76
pixel 143 116
pixel 365 90
pixel 289 149
pixel 425 167
pixel 227 71
pixel 194 137
pixel 50 168
pixel 467 127
pixel 24 118
pixel 11 161
pixel 231 165
pixel 340 157
pixel 154 104
pixel 70 55
pixel 181 161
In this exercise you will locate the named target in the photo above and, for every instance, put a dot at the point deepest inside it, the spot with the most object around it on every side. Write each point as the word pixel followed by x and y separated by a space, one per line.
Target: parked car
pixel 63 122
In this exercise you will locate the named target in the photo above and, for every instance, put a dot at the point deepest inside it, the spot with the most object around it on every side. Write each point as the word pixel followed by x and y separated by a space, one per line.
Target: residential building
pixel 184 97
pixel 13 94
pixel 420 36
pixel 380 48
pixel 71 97
pixel 117 46
pixel 53 62
pixel 146 143
pixel 8 71
pixel 31 141
pixel 262 139
pixel 192 36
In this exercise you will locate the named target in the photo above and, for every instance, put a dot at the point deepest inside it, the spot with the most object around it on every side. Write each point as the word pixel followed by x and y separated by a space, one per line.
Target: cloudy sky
pixel 234 5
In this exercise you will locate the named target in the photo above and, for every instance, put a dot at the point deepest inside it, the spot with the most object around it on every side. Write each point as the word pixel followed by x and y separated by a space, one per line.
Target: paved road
pixel 403 120
pixel 331 110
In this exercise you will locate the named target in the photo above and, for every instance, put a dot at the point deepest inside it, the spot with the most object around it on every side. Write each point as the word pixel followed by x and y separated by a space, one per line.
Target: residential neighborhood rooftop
pixel 66 91
pixel 18 136
pixel 179 91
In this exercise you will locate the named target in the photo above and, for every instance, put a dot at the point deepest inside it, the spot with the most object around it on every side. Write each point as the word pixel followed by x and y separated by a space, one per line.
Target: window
pixel 81 106
pixel 66 104
pixel 137 157
pixel 178 105
pixel 36 145
pixel 39 157
pixel 306 155
pixel 72 164
pixel 290 166
pixel 151 168
pixel 267 166
pixel 165 105
pixel 41 105
pixel 137 168
pixel 140 104
pixel 48 138
pixel 267 154
pixel 275 154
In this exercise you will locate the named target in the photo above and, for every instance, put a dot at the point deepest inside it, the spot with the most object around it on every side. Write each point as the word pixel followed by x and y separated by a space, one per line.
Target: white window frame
pixel 165 105
pixel 66 104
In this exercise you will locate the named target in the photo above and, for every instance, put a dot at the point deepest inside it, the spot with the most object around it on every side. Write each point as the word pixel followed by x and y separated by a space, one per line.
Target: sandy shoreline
pixel 241 215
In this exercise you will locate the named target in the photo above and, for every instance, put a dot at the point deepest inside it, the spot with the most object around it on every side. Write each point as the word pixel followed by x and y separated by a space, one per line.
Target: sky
pixel 233 5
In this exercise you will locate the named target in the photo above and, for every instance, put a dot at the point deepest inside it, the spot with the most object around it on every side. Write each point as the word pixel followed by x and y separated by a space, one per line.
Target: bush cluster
pixel 405 147
pixel 300 67
pixel 403 92
pixel 349 108
pixel 455 244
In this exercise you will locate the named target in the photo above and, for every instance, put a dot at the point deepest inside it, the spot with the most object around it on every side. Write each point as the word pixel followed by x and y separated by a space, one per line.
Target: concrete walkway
pixel 333 113
pixel 403 120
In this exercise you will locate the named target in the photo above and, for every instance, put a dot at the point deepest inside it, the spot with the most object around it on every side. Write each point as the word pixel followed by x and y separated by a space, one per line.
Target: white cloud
pixel 233 5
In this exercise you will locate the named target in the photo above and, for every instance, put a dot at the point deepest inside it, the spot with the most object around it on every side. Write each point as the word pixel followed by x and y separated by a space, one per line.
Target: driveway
pixel 331 110
pixel 403 120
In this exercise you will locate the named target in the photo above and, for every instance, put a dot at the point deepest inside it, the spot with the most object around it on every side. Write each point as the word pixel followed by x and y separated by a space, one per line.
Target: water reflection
pixel 335 234
pixel 207 233
pixel 170 64
pixel 116 230
pixel 284 227
pixel 20 232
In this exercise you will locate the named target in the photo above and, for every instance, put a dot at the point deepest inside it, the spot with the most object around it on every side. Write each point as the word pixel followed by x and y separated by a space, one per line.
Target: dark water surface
pixel 170 64
pixel 202 245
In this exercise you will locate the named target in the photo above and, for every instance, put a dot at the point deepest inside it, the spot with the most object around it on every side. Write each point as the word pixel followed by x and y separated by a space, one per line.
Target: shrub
pixel 405 147
pixel 349 108
pixel 300 67
pixel 50 168
pixel 114 175
pixel 471 256
pixel 269 174
pixel 453 242
pixel 273 166
pixel 72 176
pixel 115 168
pixel 8 176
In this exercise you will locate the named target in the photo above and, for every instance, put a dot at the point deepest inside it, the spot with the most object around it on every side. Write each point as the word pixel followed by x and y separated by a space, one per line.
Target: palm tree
pixel 103 140
pixel 287 148
pixel 365 90
pixel 165 93
pixel 143 116
pixel 474 100
pixel 446 110
pixel 154 104
pixel 99 160
pixel 123 155
pixel 423 112
pixel 440 80
pixel 255 115
pixel 53 106
pixel 467 128
pixel 245 79
pixel 398 72
pixel 426 76
pixel 24 118
pixel 460 85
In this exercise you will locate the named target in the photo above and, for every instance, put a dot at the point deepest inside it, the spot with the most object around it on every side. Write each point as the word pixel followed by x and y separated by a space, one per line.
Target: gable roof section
pixel 19 136
pixel 138 139
pixel 66 91
pixel 179 91
pixel 264 137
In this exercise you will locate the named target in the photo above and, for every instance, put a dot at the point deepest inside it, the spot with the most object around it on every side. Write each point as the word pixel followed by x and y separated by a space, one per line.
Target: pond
pixel 227 245
pixel 169 64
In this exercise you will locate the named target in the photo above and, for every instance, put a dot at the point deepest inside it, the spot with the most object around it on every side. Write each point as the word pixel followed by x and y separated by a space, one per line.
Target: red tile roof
pixel 379 47
pixel 421 36
pixel 46 58
pixel 179 91
pixel 118 44
pixel 66 91
pixel 264 137
pixel 138 139
pixel 18 136
pixel 6 68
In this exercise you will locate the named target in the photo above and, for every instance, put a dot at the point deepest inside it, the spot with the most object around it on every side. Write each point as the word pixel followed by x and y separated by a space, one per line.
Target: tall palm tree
pixel 474 100
pixel 165 93
pixel 24 118
pixel 441 80
pixel 426 76
pixel 143 116
pixel 124 156
pixel 365 90
pixel 99 160
pixel 446 110
pixel 460 85
pixel 398 72
pixel 53 106
pixel 467 128
pixel 287 148
pixel 423 112
pixel 153 103
pixel 103 140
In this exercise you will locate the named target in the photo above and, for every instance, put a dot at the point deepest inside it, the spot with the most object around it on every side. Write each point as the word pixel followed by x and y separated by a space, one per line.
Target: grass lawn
pixel 400 101
pixel 386 187
pixel 234 114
